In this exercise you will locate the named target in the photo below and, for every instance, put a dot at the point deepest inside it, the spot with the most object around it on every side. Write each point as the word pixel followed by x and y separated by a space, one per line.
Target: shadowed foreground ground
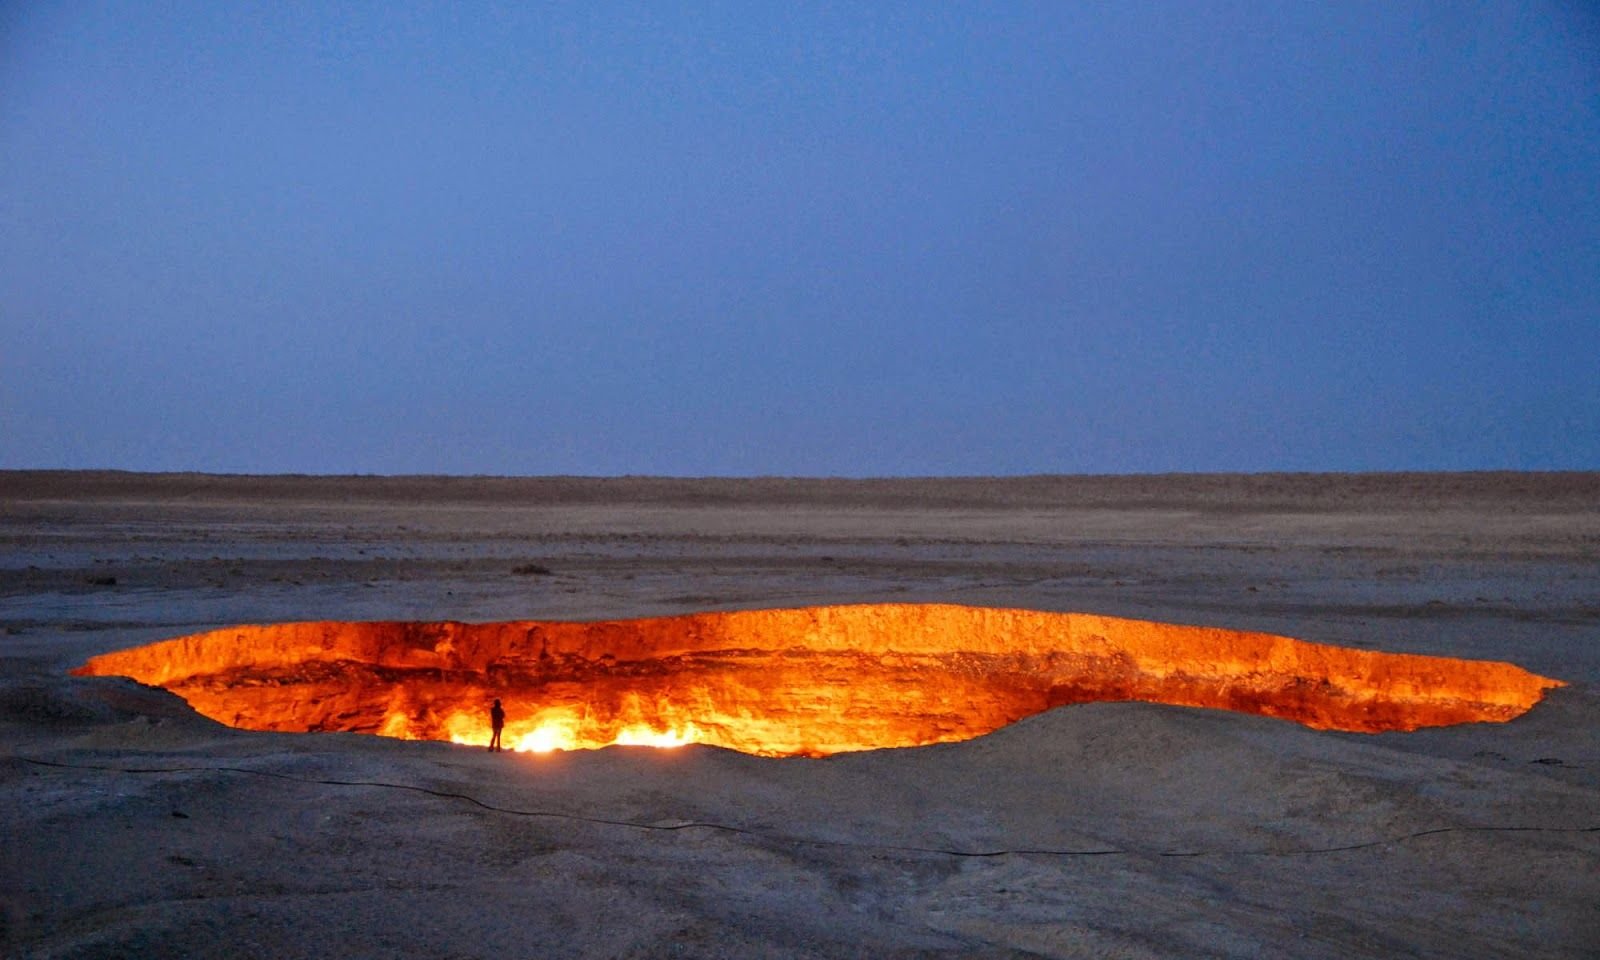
pixel 137 828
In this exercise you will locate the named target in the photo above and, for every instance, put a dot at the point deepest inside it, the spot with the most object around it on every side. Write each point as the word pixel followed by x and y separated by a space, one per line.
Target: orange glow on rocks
pixel 809 681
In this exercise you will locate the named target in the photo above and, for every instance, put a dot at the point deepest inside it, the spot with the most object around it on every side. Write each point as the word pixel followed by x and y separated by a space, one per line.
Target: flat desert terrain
pixel 134 827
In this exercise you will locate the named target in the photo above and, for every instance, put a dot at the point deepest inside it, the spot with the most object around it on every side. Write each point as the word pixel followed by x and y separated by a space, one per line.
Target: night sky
pixel 854 239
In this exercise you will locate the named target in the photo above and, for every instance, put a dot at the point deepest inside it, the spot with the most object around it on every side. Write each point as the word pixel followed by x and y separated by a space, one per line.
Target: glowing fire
pixel 551 730
pixel 809 681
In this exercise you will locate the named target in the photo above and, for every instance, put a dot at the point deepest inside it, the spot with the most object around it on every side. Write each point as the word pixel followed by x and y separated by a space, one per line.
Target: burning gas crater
pixel 810 681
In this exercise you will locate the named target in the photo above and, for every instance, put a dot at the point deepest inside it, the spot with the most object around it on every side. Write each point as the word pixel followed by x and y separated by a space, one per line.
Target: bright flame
pixel 549 731
pixel 810 681
pixel 640 735
pixel 545 738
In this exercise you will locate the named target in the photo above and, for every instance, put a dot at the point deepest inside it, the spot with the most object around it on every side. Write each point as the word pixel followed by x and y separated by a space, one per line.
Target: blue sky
pixel 825 239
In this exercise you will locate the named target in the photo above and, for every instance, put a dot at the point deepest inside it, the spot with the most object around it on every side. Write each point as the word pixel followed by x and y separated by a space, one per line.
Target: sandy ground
pixel 134 828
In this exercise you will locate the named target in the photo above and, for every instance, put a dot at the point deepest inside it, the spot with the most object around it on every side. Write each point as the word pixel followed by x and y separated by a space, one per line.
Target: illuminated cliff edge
pixel 809 681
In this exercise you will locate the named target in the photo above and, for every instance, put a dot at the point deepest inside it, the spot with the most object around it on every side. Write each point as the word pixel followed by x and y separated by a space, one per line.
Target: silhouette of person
pixel 497 720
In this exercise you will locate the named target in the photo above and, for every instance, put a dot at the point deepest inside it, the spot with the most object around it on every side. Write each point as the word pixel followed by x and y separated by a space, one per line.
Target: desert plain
pixel 135 827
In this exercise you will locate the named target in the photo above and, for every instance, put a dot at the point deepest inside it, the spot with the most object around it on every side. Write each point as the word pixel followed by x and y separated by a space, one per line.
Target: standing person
pixel 497 720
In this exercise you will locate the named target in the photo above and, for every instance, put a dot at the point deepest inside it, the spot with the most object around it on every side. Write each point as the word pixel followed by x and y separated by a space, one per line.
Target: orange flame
pixel 808 681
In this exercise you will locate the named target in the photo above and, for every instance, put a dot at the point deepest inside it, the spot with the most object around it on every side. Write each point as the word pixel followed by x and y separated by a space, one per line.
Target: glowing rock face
pixel 809 681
